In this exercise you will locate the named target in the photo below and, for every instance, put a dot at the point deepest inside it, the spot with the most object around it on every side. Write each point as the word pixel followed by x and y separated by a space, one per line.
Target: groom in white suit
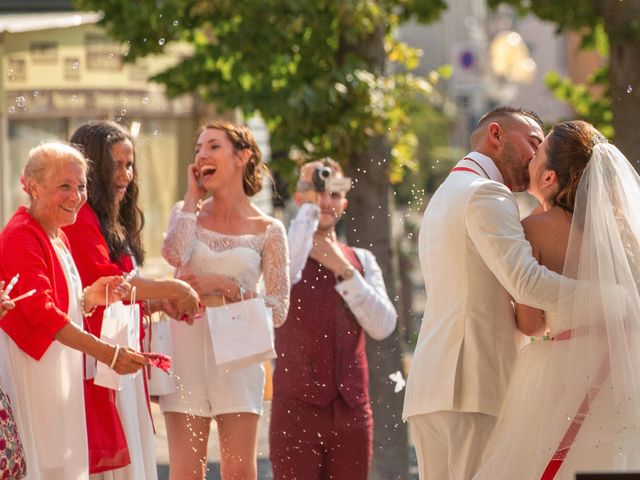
pixel 474 259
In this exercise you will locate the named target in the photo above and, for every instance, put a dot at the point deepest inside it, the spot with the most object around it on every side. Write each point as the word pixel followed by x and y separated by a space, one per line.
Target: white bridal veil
pixel 578 398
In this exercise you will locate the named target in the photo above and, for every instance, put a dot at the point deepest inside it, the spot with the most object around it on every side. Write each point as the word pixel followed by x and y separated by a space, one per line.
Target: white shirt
pixel 365 296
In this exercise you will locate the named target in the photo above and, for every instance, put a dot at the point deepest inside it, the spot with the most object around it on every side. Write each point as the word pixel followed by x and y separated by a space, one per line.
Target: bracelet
pixel 82 309
pixel 115 357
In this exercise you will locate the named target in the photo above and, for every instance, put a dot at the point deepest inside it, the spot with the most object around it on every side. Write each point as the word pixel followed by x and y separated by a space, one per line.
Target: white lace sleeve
pixel 179 239
pixel 275 269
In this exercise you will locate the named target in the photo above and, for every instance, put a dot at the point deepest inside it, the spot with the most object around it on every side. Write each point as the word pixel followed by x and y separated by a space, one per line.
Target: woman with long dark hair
pixel 107 238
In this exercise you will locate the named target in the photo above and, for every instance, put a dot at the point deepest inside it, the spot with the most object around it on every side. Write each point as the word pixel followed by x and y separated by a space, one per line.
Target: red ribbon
pixel 578 419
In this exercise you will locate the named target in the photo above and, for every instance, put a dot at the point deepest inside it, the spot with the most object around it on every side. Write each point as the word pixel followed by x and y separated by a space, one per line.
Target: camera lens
pixel 320 176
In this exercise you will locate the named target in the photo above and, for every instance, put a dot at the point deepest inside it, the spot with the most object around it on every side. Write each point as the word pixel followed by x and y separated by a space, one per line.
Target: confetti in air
pixel 399 381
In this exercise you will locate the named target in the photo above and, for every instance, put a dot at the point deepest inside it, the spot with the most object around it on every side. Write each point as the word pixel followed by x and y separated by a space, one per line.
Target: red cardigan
pixel 25 248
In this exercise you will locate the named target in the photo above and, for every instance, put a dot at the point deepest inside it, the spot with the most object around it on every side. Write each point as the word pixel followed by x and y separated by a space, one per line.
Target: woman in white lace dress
pixel 222 246
pixel 573 403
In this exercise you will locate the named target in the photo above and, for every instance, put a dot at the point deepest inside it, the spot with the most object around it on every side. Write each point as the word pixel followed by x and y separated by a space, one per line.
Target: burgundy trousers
pixel 307 442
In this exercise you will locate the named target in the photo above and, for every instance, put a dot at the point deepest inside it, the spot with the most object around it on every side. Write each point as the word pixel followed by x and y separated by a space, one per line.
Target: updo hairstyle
pixel 569 148
pixel 242 138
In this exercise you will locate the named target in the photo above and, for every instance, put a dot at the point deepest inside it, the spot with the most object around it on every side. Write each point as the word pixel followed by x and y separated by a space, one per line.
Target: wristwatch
pixel 346 274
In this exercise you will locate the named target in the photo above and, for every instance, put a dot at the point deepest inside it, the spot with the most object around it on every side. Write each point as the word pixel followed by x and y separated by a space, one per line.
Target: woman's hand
pixel 5 303
pixel 96 294
pixel 165 306
pixel 211 284
pixel 128 360
pixel 183 298
pixel 195 190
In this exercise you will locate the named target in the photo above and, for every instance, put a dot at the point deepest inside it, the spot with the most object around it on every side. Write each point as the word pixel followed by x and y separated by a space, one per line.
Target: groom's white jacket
pixel 473 254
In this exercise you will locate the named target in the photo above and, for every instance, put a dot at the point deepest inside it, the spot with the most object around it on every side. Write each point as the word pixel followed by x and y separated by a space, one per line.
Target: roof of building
pixel 16 6
pixel 29 22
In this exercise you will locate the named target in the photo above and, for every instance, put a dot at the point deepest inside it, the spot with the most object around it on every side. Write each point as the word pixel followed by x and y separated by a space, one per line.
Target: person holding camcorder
pixel 321 422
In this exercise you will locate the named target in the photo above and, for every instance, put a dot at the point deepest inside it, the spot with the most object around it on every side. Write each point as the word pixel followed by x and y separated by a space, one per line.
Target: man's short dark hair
pixel 507 111
pixel 500 115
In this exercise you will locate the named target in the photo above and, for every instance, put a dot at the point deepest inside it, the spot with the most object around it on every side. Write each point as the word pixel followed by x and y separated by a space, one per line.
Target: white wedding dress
pixel 576 399
pixel 511 452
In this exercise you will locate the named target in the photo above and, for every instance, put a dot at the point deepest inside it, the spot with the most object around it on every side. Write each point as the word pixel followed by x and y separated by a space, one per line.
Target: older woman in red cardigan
pixel 42 338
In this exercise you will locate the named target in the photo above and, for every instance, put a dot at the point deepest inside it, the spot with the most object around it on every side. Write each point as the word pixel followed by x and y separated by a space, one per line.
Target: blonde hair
pixel 47 156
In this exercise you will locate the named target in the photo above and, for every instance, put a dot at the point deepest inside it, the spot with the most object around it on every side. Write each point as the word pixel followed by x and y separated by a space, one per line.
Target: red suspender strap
pixel 572 431
pixel 464 169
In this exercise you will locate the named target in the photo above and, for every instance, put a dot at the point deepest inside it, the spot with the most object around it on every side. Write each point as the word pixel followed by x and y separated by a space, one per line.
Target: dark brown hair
pixel 121 227
pixel 242 138
pixel 569 148
pixel 502 113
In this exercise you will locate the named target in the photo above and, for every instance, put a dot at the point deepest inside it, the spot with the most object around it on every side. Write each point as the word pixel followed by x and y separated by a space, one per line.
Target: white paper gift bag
pixel 241 333
pixel 121 326
pixel 160 341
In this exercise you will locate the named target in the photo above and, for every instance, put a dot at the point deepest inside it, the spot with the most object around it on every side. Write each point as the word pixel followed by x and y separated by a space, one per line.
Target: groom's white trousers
pixel 449 445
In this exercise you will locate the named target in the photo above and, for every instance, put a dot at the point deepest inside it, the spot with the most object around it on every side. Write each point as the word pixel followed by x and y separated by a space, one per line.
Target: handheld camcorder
pixel 323 180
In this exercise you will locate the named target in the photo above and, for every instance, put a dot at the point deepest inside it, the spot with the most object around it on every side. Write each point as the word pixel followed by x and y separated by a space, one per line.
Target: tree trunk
pixel 368 225
pixel 624 74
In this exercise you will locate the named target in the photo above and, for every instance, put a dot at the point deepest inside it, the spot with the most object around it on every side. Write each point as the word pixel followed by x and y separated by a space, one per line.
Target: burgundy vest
pixel 320 347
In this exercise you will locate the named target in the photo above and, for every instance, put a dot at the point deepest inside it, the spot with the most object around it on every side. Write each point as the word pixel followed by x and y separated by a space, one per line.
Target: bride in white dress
pixel 573 403
pixel 222 246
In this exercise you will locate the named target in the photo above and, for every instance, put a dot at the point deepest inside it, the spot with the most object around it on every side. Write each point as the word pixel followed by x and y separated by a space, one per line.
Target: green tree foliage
pixel 302 64
pixel 613 28
pixel 594 109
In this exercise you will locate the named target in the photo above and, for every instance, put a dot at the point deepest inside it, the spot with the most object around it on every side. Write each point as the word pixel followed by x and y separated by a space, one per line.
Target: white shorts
pixel 203 389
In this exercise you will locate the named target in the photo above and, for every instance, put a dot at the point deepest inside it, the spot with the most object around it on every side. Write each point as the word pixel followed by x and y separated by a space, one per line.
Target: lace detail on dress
pixel 244 258
pixel 275 268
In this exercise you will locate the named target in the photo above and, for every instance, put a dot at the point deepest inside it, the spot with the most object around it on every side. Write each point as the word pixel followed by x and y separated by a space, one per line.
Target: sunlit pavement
pixel 264 466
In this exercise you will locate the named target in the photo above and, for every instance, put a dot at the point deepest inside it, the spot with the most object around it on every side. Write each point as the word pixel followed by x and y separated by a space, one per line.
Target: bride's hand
pixel 212 284
pixel 195 190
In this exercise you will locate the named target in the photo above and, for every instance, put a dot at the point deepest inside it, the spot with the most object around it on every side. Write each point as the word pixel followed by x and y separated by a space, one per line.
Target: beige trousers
pixel 449 445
